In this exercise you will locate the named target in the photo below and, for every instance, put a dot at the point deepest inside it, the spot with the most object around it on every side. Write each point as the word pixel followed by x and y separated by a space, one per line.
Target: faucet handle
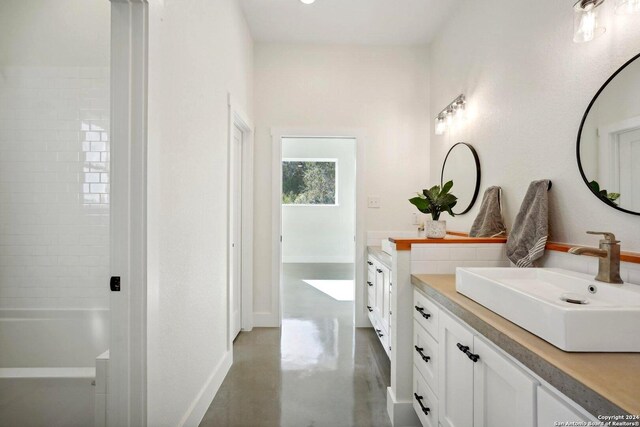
pixel 609 237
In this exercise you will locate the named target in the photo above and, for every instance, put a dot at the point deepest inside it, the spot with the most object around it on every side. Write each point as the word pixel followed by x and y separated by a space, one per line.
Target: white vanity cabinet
pixel 379 289
pixel 474 384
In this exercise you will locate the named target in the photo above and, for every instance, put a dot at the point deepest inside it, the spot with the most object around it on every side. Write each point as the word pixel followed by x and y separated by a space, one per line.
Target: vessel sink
pixel 570 310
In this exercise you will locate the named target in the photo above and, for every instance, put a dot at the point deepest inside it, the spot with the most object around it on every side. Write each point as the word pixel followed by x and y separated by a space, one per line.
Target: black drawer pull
pixel 369 283
pixel 369 262
pixel 424 357
pixel 369 308
pixel 424 408
pixel 379 332
pixel 421 311
pixel 378 270
pixel 465 350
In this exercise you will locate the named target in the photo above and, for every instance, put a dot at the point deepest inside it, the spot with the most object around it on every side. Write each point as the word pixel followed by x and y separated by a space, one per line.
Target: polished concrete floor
pixel 316 371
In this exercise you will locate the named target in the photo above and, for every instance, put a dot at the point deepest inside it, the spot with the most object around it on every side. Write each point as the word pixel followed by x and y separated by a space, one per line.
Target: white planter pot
pixel 436 229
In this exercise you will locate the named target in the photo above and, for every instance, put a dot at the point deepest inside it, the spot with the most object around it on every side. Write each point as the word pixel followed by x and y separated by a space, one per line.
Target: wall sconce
pixel 586 26
pixel 455 111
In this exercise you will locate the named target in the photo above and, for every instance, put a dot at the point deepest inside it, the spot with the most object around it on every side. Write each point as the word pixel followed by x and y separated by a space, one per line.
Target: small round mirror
pixel 462 166
pixel 608 146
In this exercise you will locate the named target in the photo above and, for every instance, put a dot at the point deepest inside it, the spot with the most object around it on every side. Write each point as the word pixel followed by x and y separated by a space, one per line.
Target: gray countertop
pixel 602 383
pixel 380 255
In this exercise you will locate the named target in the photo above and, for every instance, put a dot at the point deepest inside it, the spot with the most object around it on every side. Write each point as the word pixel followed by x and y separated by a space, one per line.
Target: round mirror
pixel 609 140
pixel 462 166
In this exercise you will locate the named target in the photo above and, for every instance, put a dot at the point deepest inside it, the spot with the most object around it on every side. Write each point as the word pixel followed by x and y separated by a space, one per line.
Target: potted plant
pixel 435 201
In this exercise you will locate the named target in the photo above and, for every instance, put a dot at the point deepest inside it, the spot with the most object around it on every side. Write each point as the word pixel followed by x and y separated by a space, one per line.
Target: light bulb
pixel 627 7
pixel 586 26
pixel 440 126
pixel 449 118
pixel 307 1
pixel 461 112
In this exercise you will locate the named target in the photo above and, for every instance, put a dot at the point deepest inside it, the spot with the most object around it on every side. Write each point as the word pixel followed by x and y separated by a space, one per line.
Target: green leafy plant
pixel 609 198
pixel 436 200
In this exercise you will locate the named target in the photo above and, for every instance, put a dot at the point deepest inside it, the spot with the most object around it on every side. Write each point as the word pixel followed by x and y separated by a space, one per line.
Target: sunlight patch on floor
pixel 340 290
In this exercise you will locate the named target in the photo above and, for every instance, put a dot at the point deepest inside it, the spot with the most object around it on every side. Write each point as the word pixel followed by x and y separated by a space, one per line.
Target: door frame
pixel 359 135
pixel 237 117
pixel 127 376
pixel 609 148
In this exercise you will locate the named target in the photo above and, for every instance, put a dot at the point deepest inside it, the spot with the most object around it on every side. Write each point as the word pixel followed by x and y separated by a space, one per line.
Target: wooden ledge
pixel 404 244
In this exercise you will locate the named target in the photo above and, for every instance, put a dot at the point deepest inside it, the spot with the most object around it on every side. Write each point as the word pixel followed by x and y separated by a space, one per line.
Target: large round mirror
pixel 609 140
pixel 462 166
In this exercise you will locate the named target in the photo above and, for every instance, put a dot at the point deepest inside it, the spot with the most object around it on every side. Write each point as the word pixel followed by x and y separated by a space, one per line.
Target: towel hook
pixel 550 185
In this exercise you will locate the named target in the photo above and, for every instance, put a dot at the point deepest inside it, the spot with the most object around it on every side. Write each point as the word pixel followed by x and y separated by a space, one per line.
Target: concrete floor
pixel 316 371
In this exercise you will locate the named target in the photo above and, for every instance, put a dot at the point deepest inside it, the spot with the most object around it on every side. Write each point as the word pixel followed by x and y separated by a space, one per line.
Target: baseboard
pixel 201 403
pixel 401 414
pixel 266 320
pixel 317 260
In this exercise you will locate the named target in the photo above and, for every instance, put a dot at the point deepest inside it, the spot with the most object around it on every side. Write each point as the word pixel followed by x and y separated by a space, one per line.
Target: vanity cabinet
pixel 471 382
pixel 379 289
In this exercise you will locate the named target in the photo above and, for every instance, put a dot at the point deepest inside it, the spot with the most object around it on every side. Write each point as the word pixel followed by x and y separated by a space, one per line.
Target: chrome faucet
pixel 608 255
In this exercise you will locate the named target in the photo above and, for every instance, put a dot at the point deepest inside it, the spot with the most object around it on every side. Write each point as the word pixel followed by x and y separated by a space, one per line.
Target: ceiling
pixel 371 22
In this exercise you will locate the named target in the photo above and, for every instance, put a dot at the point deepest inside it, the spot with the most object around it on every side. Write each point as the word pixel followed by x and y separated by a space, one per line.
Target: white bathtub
pixel 47 366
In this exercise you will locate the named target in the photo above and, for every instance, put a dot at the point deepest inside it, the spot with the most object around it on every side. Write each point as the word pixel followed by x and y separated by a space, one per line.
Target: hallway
pixel 316 371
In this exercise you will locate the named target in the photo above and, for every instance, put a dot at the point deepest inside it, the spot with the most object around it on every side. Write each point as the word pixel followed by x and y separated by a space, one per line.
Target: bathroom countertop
pixel 380 255
pixel 602 383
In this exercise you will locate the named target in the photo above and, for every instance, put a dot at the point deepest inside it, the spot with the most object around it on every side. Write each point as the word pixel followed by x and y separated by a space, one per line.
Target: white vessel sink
pixel 570 310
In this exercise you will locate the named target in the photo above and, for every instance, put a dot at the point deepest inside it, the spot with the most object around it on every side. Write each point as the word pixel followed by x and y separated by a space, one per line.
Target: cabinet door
pixel 386 296
pixel 455 376
pixel 503 395
pixel 552 408
pixel 379 287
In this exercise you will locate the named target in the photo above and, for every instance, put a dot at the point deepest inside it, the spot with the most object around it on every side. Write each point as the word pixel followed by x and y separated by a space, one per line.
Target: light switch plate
pixel 373 202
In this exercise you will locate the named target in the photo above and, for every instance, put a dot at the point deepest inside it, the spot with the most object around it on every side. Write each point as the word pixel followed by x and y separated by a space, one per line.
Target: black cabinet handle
pixel 424 408
pixel 424 357
pixel 379 332
pixel 465 350
pixel 421 311
pixel 369 283
pixel 378 270
pixel 369 262
pixel 369 308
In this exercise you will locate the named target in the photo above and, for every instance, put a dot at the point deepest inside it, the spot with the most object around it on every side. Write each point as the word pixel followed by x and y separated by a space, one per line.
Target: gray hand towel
pixel 528 238
pixel 489 222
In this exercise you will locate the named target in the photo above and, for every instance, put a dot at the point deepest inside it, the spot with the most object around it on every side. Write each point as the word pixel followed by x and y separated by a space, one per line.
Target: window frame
pixel 312 160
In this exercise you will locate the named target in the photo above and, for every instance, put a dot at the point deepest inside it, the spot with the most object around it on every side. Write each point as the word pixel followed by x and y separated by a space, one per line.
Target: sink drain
pixel 574 299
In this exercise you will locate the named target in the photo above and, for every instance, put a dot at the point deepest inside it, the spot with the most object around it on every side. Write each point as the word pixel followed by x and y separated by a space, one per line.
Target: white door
pixel 629 171
pixel 235 267
pixel 455 374
pixel 503 395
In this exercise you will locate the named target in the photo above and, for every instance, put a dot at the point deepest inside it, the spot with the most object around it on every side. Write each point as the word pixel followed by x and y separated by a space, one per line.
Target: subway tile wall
pixel 54 187
pixel 433 258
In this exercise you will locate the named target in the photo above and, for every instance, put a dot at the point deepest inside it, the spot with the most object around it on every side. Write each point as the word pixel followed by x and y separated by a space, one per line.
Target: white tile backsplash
pixel 439 258
pixel 629 272
pixel 54 187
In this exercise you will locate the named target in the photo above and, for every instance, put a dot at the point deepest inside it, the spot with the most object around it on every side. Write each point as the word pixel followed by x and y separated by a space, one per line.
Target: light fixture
pixel 585 21
pixel 308 1
pixel 445 119
pixel 627 7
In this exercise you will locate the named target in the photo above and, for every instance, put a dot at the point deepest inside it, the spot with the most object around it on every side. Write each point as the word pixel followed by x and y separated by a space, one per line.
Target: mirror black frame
pixel 478 174
pixel 584 119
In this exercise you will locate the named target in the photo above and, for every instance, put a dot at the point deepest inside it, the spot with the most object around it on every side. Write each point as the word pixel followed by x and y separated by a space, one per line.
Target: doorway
pixel 240 232
pixel 318 206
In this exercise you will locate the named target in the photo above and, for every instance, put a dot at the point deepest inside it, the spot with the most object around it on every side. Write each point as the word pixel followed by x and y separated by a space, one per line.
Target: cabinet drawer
pixel 425 402
pixel 425 347
pixel 371 264
pixel 426 314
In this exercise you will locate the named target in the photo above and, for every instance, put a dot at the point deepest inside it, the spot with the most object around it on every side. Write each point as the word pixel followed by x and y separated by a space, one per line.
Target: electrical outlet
pixel 373 202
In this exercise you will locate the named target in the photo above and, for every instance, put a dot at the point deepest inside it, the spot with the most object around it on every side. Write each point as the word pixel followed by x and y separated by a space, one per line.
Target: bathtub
pixel 48 366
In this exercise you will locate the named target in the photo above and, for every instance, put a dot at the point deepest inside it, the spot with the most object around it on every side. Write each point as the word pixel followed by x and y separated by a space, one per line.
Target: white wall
pixel 320 234
pixel 381 90
pixel 199 51
pixel 54 154
pixel 528 86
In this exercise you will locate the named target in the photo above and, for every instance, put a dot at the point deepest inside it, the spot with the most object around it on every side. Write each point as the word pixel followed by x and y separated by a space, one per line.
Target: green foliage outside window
pixel 307 182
